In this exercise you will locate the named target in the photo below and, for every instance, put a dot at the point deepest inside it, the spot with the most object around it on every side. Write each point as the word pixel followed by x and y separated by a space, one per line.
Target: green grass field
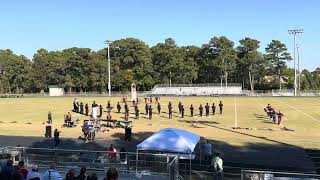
pixel 26 117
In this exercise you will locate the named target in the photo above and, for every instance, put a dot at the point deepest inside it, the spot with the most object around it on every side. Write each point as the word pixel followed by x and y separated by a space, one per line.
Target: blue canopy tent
pixel 171 140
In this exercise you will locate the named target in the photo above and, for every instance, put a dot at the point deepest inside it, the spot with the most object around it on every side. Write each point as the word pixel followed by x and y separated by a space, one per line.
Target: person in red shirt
pixel 112 152
pixel 280 115
pixel 23 171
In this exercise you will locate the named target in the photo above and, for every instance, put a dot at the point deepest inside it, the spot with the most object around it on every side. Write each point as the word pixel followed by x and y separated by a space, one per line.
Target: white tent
pixel 171 140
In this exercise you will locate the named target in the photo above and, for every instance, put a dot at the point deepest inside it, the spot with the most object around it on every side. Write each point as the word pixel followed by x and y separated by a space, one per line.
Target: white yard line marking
pixel 298 110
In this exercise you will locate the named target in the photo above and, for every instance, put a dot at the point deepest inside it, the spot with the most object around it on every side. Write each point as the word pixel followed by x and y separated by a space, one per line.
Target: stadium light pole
pixel 299 73
pixel 294 32
pixel 108 42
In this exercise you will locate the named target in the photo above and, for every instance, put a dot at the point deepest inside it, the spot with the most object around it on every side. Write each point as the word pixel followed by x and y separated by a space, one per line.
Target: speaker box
pixel 48 133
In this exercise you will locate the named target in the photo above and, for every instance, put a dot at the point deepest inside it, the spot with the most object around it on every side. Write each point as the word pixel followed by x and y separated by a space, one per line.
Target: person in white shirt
pixel 207 147
pixel 33 174
pixel 52 174
pixel 217 164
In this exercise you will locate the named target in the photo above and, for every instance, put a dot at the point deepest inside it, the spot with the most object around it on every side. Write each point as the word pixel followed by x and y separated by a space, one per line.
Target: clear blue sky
pixel 26 26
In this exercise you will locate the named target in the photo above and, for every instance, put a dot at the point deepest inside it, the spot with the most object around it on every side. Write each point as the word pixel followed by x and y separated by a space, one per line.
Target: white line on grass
pixel 298 110
pixel 235 113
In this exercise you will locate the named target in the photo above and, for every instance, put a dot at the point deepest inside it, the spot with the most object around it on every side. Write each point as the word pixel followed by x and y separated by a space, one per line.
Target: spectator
pixel 123 154
pixel 112 152
pixel 33 174
pixel 217 164
pixel 52 174
pixel 83 175
pixel 23 170
pixel 71 175
pixel 93 176
pixel 1 177
pixel 15 175
pixel 207 147
pixel 56 135
pixel 7 170
pixel 112 174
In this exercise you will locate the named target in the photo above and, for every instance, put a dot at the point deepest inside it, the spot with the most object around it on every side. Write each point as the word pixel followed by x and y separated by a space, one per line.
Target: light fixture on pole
pixel 109 83
pixel 294 32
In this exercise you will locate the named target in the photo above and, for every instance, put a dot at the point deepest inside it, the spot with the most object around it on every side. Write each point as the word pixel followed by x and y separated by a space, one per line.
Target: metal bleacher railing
pixel 271 175
pixel 125 162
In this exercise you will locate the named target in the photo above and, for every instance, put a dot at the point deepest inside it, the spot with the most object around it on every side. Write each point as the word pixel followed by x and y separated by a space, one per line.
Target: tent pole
pixel 190 167
pixel 137 154
pixel 200 153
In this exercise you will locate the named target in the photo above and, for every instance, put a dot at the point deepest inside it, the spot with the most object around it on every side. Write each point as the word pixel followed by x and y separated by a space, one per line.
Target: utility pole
pixel 294 32
pixel 109 69
pixel 170 79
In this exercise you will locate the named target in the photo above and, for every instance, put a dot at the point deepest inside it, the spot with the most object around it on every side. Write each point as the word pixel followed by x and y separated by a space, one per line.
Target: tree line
pixel 132 60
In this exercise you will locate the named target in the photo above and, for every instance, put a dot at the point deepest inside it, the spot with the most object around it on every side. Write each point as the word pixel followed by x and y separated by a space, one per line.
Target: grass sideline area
pixel 25 117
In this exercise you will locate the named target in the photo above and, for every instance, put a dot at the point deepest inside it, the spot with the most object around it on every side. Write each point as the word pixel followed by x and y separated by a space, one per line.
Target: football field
pixel 27 117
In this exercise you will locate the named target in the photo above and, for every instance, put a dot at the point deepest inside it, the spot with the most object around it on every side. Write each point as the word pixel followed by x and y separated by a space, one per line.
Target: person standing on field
pixel 146 107
pixel 170 110
pixel 118 107
pixel 213 109
pixel 150 112
pixel 49 118
pixel 182 111
pixel 179 107
pixel 280 116
pixel 221 107
pixel 200 110
pixel 159 108
pixel 87 109
pixel 191 110
pixel 207 109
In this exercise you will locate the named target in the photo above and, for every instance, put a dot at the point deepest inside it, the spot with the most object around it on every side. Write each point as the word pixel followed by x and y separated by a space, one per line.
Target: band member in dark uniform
pixel 150 112
pixel 78 107
pixel 146 108
pixel 213 109
pixel 81 108
pixel 108 105
pixel 207 109
pixel 221 107
pixel 200 110
pixel 49 118
pixel 75 105
pixel 126 114
pixel 191 110
pixel 94 104
pixel 150 99
pixel 118 107
pixel 136 110
pixel 159 108
pixel 101 110
pixel 179 107
pixel 170 110
pixel 182 111
pixel 87 109
pixel 126 108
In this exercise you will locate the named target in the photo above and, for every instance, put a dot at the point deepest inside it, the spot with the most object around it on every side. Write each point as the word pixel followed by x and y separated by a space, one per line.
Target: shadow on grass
pixel 200 122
